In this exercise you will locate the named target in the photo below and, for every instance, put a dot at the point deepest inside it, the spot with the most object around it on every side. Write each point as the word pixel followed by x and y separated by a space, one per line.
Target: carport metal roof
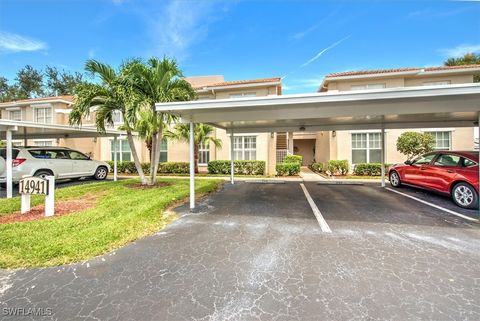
pixel 406 107
pixel 31 130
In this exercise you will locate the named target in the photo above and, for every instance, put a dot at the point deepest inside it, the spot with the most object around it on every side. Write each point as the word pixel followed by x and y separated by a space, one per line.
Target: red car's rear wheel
pixel 464 195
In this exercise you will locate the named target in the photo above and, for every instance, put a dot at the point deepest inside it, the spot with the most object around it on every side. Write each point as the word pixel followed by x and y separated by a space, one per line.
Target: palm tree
pixel 202 136
pixel 466 59
pixel 158 81
pixel 109 97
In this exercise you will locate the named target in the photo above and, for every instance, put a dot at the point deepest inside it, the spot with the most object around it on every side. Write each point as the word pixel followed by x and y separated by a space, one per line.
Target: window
pixel 55 154
pixel 204 154
pixel 77 155
pixel 123 150
pixel 437 83
pixel 41 143
pixel 243 95
pixel 245 147
pixel 42 115
pixel 117 117
pixel 366 148
pixel 367 86
pixel 447 160
pixel 15 115
pixel 443 140
pixel 424 160
pixel 163 151
pixel 468 163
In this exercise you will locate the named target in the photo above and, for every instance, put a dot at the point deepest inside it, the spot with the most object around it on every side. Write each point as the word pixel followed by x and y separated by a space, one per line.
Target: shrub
pixel 412 144
pixel 242 167
pixel 365 169
pixel 293 159
pixel 173 168
pixel 318 167
pixel 288 169
pixel 338 167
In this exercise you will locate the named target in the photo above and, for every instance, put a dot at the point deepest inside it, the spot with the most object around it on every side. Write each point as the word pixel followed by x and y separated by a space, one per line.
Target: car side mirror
pixel 408 162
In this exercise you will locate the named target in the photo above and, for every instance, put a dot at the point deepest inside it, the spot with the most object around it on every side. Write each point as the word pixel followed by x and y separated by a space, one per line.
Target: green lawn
pixel 121 215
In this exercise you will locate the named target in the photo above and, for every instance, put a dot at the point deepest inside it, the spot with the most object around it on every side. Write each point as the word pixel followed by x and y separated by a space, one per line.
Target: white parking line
pixel 321 221
pixel 435 206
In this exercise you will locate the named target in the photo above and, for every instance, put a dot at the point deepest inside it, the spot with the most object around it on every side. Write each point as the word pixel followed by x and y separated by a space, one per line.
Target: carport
pixel 23 130
pixel 393 108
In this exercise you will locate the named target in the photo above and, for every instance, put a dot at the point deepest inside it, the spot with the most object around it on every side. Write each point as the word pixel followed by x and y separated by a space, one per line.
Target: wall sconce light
pixel 272 134
pixel 334 133
pixel 302 128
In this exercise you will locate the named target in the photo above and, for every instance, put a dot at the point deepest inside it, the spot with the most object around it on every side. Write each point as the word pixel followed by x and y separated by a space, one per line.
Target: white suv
pixel 60 162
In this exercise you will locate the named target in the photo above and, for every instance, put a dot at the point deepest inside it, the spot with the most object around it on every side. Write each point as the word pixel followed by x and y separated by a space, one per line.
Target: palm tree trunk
pixel 136 160
pixel 153 158
pixel 157 158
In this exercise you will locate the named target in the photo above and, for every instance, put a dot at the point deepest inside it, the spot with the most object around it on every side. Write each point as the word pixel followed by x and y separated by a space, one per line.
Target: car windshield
pixel 424 159
pixel 3 152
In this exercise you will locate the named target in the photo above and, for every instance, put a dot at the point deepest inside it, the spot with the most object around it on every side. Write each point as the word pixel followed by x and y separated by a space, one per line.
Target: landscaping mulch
pixel 61 208
pixel 140 186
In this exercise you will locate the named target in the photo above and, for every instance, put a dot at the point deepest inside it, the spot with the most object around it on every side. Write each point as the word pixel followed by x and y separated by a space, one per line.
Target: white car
pixel 61 162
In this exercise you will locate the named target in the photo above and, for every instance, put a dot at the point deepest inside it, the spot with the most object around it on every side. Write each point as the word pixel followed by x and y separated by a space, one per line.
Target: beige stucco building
pixel 357 146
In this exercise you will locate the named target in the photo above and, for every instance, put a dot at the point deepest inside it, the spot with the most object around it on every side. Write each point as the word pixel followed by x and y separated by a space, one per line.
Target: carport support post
pixel 382 156
pixel 115 141
pixel 232 158
pixel 478 129
pixel 9 164
pixel 192 166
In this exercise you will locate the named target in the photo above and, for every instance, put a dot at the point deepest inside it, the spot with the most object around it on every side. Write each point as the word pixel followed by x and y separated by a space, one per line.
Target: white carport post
pixel 382 156
pixel 9 164
pixel 192 166
pixel 478 129
pixel 232 158
pixel 115 141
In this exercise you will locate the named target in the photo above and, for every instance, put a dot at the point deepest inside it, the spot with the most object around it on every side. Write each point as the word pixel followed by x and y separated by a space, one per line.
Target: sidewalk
pixel 309 176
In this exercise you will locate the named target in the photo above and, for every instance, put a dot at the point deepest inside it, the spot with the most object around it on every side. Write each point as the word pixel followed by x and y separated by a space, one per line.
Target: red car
pixel 449 172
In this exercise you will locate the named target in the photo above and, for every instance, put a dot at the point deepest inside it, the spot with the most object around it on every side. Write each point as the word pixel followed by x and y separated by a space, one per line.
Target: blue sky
pixel 302 40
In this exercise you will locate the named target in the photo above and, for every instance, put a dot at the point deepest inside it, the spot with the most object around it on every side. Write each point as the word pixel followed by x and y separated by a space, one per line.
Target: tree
pixel 202 135
pixel 61 82
pixel 413 144
pixel 467 59
pixel 157 81
pixel 29 83
pixel 107 98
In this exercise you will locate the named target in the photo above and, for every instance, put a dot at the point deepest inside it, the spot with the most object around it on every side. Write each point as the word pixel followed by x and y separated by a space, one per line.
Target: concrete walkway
pixel 309 176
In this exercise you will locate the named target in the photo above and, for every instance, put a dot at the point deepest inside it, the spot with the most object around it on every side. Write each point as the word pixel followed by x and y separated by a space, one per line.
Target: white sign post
pixel 31 185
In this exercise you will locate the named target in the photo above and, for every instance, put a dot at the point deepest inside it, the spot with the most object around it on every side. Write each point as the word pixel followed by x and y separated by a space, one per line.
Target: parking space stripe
pixel 435 206
pixel 321 221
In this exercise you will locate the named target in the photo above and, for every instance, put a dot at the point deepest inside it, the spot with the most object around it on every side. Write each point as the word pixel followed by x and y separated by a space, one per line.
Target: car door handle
pixel 422 168
pixel 449 171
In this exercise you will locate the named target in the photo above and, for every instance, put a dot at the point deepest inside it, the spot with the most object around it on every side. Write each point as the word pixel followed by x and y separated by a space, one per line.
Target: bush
pixel 412 144
pixel 338 167
pixel 365 169
pixel 288 169
pixel 318 167
pixel 241 167
pixel 293 159
pixel 173 168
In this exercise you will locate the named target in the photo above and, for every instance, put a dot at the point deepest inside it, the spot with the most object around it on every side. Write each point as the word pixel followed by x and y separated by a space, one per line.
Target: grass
pixel 120 216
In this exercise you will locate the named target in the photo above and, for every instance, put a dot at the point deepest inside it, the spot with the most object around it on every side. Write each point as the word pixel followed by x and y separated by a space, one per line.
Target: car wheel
pixel 43 174
pixel 464 195
pixel 101 173
pixel 394 179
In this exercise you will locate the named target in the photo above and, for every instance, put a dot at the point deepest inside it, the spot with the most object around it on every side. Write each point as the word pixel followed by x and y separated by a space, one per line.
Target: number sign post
pixel 31 185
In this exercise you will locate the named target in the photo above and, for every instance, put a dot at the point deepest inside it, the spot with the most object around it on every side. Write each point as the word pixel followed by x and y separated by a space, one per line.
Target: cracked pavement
pixel 256 252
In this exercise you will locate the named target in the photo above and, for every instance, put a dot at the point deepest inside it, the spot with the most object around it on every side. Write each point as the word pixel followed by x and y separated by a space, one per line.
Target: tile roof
pixel 67 98
pixel 242 82
pixel 394 70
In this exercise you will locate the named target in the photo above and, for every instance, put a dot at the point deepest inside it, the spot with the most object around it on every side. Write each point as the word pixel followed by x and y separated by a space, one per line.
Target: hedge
pixel 338 167
pixel 287 169
pixel 318 167
pixel 242 167
pixel 128 167
pixel 293 159
pixel 365 169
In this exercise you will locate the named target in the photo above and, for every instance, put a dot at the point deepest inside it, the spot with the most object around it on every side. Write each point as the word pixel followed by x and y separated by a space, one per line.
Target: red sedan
pixel 449 172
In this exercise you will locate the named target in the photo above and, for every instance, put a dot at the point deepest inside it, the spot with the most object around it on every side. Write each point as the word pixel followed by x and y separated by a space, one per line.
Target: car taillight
pixel 18 161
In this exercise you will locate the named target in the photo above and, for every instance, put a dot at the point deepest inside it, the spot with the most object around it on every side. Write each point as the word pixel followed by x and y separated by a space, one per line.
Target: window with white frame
pixel 15 114
pixel 366 148
pixel 42 143
pixel 437 83
pixel 204 153
pixel 368 86
pixel 117 117
pixel 245 147
pixel 163 151
pixel 42 115
pixel 243 95
pixel 443 140
pixel 123 150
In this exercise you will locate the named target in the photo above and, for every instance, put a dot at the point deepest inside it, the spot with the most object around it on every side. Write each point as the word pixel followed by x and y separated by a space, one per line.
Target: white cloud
pixel 92 53
pixel 460 50
pixel 118 1
pixel 12 42
pixel 182 24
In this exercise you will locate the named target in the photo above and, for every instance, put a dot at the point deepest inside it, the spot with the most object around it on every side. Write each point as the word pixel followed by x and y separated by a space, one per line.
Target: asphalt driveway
pixel 257 252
